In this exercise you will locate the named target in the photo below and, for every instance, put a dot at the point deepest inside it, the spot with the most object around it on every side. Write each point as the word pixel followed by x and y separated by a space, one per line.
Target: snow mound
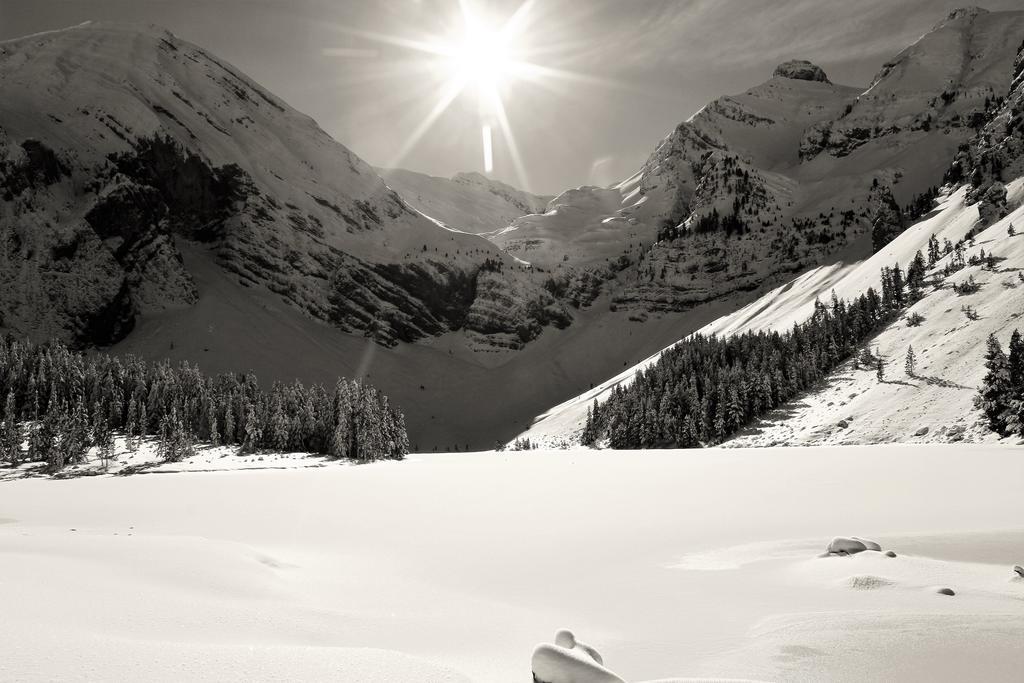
pixel 569 661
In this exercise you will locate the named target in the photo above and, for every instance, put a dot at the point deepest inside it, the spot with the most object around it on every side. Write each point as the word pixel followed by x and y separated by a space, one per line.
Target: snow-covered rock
pixel 850 546
pixel 569 661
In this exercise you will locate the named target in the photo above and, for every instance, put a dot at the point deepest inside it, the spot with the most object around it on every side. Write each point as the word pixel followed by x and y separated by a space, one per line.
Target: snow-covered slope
pixel 452 568
pixel 118 140
pixel 948 345
pixel 469 202
pixel 762 126
pixel 793 163
pixel 993 155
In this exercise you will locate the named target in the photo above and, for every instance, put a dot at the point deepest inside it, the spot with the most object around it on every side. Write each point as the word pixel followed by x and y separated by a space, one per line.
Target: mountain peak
pixel 969 12
pixel 963 15
pixel 801 70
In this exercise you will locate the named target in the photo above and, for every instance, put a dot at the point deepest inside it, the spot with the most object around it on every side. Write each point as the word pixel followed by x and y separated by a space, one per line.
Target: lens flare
pixel 488 149
pixel 483 56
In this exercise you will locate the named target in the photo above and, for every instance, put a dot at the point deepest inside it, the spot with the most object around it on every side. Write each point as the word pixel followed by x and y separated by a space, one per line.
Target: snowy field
pixel 454 567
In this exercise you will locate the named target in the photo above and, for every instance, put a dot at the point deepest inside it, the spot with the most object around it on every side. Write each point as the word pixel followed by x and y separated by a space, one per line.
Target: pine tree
pixel 10 433
pixel 915 276
pixel 132 425
pixel 996 392
pixel 102 436
pixel 1015 371
pixel 253 431
pixel 880 368
pixel 42 443
pixel 911 362
pixel 341 433
pixel 229 423
pixel 211 421
pixel 934 251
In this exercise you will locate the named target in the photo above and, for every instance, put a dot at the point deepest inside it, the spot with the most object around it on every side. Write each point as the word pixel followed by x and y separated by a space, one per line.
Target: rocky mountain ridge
pixel 973 292
pixel 780 178
pixel 119 141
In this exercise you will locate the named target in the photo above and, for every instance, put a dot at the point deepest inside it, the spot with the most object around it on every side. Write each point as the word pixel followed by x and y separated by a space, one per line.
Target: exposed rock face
pixel 996 154
pixel 152 141
pixel 943 82
pixel 56 280
pixel 993 203
pixel 887 220
pixel 800 70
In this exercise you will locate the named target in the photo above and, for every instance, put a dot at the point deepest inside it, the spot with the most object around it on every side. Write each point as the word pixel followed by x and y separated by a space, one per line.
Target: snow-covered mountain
pixel 153 197
pixel 788 175
pixel 854 407
pixel 118 142
pixel 469 202
pixel 936 403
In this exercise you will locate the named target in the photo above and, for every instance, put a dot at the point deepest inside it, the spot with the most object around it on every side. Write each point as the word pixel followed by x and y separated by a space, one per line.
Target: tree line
pixel 705 388
pixel 56 404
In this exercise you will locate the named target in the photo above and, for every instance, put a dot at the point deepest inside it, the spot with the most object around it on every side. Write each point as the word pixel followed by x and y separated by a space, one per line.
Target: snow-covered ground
pixel 949 347
pixel 145 458
pixel 454 567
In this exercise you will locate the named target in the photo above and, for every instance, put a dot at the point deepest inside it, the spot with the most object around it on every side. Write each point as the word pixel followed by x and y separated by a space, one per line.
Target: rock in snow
pixel 870 545
pixel 851 546
pixel 1019 570
pixel 945 591
pixel 569 661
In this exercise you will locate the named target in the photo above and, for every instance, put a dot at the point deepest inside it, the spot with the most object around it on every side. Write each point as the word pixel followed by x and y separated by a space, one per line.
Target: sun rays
pixel 478 55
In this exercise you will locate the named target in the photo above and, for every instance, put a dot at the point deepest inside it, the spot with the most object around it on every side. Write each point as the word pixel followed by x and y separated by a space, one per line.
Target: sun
pixel 481 53
pixel 482 57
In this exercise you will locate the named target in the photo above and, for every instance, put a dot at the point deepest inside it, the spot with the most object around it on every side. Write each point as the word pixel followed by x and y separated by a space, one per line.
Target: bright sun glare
pixel 483 56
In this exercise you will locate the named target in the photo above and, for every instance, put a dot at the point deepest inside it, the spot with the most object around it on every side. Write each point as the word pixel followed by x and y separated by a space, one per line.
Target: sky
pixel 607 79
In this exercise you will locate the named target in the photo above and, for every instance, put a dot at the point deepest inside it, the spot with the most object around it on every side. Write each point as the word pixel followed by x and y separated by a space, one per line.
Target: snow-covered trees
pixel 66 402
pixel 910 364
pixel 705 389
pixel 1001 397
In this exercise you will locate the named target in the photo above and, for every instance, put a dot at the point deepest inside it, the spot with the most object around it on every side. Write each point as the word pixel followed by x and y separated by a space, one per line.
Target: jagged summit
pixel 801 70
pixel 970 12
